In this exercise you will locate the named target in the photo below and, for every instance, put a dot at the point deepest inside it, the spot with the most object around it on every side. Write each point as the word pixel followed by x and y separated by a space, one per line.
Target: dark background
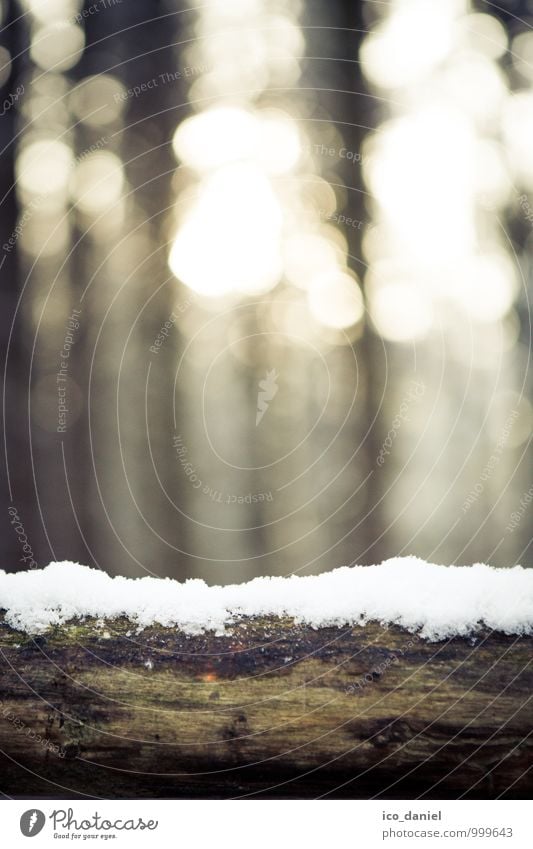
pixel 110 491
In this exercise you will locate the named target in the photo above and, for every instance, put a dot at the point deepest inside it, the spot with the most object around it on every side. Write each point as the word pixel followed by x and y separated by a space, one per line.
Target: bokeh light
pixel 57 46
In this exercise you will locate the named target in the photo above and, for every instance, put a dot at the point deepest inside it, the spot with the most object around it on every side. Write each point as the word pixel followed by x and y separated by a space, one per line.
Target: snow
pixel 435 601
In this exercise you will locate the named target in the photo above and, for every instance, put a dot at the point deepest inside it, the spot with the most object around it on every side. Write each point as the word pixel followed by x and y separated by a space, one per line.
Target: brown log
pixel 271 709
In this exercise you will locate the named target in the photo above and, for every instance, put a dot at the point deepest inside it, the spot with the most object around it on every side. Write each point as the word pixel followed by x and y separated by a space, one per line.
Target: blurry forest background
pixel 266 269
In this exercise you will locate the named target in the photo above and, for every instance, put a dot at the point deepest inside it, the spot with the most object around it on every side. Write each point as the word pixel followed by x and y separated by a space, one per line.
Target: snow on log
pixel 356 683
pixel 437 601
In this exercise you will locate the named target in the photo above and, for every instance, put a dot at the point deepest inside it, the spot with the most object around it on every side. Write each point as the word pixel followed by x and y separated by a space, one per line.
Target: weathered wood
pixel 269 710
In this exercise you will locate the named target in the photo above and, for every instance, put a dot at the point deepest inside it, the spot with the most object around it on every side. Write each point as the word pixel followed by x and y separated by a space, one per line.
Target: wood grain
pixel 271 709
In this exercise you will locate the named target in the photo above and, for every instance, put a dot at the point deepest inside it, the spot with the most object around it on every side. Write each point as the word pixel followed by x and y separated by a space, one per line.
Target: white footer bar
pixel 267 824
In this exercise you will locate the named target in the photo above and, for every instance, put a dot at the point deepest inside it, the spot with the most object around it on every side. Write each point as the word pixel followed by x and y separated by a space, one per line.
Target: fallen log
pixel 269 709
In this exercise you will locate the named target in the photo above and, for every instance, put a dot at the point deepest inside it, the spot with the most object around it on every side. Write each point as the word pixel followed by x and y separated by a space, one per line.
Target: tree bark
pixel 270 709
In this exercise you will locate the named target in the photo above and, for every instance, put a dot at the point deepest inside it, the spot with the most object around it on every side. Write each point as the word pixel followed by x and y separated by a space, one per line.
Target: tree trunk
pixel 271 709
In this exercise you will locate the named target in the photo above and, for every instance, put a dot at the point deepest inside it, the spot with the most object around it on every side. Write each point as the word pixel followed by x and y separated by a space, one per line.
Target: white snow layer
pixel 437 601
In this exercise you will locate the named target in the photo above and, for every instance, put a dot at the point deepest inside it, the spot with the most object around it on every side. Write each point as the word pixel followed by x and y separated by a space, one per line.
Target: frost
pixel 436 601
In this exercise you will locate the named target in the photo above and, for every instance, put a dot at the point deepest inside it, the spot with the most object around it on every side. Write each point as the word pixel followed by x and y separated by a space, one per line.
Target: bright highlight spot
pixel 43 168
pixel 98 182
pixel 230 239
pixel 335 300
pixel 228 134
pixel 400 312
pixel 411 42
pixel 57 46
